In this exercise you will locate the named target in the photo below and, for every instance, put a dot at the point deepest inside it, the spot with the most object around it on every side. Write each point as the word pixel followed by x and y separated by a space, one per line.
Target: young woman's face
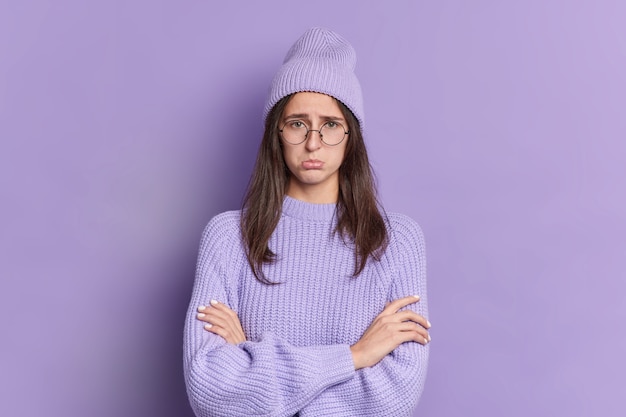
pixel 314 165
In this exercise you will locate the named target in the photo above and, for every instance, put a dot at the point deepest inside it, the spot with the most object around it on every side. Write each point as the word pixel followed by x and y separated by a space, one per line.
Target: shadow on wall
pixel 230 140
pixel 239 133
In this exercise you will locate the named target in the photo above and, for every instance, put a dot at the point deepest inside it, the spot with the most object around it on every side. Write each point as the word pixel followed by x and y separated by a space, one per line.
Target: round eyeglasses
pixel 296 132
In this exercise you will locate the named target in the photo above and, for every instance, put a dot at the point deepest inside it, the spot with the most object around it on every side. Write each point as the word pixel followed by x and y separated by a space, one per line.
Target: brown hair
pixel 359 215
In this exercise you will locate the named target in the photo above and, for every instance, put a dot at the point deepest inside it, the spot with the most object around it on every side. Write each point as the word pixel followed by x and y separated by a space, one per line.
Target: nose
pixel 313 142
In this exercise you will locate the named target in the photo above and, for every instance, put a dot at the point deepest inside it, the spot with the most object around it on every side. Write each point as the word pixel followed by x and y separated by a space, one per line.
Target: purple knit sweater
pixel 297 358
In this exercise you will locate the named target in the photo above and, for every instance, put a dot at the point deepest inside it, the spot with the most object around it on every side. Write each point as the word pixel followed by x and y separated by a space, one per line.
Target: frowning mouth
pixel 312 164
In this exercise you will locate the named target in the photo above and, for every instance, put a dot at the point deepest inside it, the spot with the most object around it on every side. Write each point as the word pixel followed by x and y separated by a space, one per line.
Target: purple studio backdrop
pixel 498 125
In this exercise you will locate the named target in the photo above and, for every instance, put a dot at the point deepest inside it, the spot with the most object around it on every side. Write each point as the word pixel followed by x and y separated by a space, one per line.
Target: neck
pixel 317 194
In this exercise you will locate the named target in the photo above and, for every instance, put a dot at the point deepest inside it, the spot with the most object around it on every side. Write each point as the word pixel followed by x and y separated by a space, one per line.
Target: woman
pixel 307 301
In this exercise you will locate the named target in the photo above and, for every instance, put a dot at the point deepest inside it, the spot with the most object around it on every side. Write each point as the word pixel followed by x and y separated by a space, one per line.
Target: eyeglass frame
pixel 345 132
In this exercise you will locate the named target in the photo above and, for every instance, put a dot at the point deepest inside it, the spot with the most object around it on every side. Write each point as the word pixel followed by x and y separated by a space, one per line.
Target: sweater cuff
pixel 338 364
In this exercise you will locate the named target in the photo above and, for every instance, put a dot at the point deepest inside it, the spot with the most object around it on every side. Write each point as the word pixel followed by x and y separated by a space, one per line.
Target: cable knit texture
pixel 320 61
pixel 297 360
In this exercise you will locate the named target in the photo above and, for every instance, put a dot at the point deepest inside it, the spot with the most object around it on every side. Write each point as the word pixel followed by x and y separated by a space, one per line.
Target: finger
pixel 219 306
pixel 216 306
pixel 212 315
pixel 413 316
pixel 222 319
pixel 220 331
pixel 411 333
pixel 396 305
pixel 231 336
pixel 223 307
pixel 203 317
pixel 408 326
pixel 421 339
pixel 226 330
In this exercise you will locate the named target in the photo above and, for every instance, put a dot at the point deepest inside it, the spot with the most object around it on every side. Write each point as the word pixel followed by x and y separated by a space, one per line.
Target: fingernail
pixel 417 296
pixel 214 302
pixel 208 326
pixel 201 308
pixel 426 340
pixel 200 315
pixel 429 338
pixel 428 323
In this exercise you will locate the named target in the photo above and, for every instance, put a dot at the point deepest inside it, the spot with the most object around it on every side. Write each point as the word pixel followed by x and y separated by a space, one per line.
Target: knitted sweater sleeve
pixel 394 385
pixel 268 377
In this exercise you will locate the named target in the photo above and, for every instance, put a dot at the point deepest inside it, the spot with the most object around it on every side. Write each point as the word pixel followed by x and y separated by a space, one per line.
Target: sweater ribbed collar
pixel 308 211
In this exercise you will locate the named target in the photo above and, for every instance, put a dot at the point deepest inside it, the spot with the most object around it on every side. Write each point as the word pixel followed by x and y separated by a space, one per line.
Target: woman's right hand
pixel 388 330
pixel 222 321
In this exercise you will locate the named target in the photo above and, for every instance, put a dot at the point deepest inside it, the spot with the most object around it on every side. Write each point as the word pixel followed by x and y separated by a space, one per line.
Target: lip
pixel 312 164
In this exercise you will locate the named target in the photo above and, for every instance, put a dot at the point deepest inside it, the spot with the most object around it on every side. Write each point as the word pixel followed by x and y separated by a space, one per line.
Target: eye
pixel 331 125
pixel 297 124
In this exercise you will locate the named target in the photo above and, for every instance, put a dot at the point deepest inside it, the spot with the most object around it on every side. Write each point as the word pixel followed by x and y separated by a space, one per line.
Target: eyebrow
pixel 305 116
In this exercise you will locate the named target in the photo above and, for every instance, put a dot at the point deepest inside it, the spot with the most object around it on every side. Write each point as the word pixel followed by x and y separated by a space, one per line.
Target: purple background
pixel 498 125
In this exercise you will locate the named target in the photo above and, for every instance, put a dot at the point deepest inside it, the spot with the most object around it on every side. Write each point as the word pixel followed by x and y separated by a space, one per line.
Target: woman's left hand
pixel 222 321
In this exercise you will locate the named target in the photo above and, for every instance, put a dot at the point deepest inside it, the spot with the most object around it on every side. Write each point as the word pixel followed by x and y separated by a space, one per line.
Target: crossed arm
pixel 387 331
pixel 228 375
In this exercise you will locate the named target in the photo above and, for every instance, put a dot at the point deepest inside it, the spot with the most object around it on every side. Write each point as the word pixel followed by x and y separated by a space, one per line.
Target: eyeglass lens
pixel 296 131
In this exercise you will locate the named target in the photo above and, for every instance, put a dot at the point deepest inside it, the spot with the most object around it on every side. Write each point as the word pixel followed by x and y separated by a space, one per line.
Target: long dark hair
pixel 359 215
